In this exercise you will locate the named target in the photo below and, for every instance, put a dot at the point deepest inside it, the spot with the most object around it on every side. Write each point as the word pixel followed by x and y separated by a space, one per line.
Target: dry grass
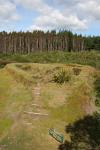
pixel 64 103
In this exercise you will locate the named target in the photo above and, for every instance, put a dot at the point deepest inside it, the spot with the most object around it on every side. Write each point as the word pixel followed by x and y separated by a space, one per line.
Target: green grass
pixel 84 58
pixel 5 125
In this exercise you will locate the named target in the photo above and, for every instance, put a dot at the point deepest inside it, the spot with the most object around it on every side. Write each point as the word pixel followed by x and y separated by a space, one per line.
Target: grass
pixel 97 90
pixel 62 77
pixel 5 125
pixel 64 103
pixel 85 58
pixel 13 98
pixel 77 103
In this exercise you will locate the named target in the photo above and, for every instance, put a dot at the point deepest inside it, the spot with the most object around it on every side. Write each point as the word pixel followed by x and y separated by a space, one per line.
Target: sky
pixel 79 16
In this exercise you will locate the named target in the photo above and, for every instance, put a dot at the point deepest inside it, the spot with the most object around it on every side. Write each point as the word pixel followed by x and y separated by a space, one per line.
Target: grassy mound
pixel 64 103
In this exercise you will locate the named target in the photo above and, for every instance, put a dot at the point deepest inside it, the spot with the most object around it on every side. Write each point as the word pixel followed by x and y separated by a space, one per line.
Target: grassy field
pixel 85 58
pixel 25 84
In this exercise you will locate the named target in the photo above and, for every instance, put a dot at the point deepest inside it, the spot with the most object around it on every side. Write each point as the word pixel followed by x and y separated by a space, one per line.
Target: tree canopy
pixel 85 134
pixel 39 41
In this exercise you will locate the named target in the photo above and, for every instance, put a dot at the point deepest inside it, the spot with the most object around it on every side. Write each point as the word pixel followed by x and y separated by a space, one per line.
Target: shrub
pixel 84 134
pixel 62 77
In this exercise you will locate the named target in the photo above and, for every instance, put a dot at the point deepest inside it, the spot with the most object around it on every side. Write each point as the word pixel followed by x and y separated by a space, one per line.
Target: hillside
pixel 59 93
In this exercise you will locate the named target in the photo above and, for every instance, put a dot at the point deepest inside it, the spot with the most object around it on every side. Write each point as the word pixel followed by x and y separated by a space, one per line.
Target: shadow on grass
pixel 85 134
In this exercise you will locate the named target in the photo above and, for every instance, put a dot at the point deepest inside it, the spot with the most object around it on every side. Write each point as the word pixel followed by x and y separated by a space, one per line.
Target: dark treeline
pixel 39 41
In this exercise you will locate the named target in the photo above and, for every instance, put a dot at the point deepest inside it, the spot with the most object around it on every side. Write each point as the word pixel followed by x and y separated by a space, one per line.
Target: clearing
pixel 35 97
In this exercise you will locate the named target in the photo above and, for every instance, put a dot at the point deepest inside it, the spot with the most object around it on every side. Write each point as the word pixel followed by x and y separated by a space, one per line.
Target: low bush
pixel 62 77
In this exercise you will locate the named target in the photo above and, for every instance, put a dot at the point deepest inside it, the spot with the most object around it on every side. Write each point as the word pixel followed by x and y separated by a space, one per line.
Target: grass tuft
pixel 62 77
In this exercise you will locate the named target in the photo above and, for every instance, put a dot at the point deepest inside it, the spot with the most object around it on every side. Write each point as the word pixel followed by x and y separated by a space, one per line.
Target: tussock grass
pixel 62 77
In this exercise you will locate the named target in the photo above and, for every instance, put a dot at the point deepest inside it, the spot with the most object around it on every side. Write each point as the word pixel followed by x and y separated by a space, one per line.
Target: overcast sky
pixel 81 16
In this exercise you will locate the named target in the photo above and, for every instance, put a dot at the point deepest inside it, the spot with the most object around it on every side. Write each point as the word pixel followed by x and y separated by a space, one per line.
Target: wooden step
pixel 35 113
